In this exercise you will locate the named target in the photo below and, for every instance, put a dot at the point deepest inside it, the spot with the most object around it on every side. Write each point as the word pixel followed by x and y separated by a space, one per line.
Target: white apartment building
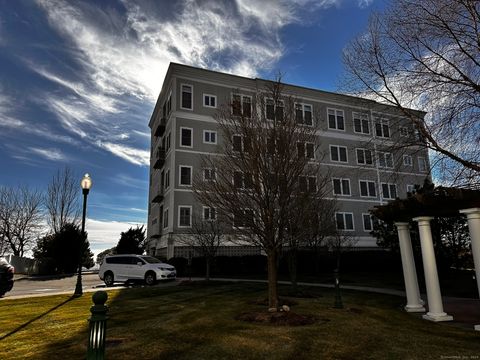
pixel 358 136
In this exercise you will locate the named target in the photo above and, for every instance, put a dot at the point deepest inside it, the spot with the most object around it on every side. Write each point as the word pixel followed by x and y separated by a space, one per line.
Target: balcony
pixel 160 158
pixel 158 198
pixel 160 130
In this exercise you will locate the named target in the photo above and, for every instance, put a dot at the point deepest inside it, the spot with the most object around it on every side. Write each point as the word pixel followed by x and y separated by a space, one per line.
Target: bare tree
pixel 206 235
pixel 20 219
pixel 268 145
pixel 62 200
pixel 425 54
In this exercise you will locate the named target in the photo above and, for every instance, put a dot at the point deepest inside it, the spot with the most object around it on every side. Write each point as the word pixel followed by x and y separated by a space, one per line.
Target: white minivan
pixel 121 268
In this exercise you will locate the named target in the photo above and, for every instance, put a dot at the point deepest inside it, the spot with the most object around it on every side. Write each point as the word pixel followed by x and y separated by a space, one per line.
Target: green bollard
pixel 98 327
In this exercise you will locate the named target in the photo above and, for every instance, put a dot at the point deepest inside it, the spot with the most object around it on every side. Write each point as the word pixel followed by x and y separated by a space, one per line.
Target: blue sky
pixel 79 79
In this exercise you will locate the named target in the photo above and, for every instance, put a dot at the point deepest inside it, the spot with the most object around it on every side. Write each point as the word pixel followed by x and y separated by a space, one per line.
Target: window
pixel 385 160
pixel 341 186
pixel 407 160
pixel 336 119
pixel 209 213
pixel 344 221
pixel 186 137
pixel 411 189
pixel 274 110
pixel 389 191
pixel 169 103
pixel 307 183
pixel 209 137
pixel 306 150
pixel 167 179
pixel 185 175
pixel 209 101
pixel 187 99
pixel 360 123
pixel 165 218
pixel 167 142
pixel 243 218
pixel 241 105
pixel 338 153
pixel 209 174
pixel 381 128
pixel 367 188
pixel 367 222
pixel 240 143
pixel 364 157
pixel 184 216
pixel 422 164
pixel 303 114
pixel 242 180
pixel 403 131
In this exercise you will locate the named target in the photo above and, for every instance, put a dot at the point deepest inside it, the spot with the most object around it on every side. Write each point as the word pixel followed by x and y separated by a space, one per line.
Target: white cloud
pixel 49 154
pixel 364 3
pixel 132 155
pixel 105 234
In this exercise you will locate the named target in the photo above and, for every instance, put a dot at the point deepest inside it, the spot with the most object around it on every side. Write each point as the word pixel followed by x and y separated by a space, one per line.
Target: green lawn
pixel 198 322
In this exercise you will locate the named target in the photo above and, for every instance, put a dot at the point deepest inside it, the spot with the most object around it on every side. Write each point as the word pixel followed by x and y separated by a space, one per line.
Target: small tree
pixel 206 235
pixel 268 144
pixel 61 200
pixel 132 241
pixel 20 219
pixel 59 251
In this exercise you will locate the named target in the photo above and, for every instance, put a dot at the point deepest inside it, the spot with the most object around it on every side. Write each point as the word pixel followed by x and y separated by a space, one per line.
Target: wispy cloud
pixel 132 155
pixel 49 154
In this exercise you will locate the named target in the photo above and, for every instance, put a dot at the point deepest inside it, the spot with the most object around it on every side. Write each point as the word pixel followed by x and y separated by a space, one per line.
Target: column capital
pixel 401 224
pixel 423 219
pixel 472 213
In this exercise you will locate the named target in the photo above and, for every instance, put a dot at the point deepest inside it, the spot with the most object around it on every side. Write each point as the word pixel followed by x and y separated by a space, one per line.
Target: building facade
pixel 362 143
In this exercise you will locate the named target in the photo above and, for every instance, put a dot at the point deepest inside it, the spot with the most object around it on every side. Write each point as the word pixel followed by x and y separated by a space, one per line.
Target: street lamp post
pixel 86 184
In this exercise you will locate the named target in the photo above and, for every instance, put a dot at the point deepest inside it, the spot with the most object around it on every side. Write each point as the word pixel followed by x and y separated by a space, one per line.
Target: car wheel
pixel 108 278
pixel 150 278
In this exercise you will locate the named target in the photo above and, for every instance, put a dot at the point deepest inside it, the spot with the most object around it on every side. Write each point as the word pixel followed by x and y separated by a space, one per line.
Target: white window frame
pixel 363 221
pixel 181 96
pixel 275 104
pixel 191 137
pixel 410 188
pixel 339 158
pixel 364 151
pixel 165 218
pixel 178 222
pixel 209 96
pixel 344 222
pixel 361 116
pixel 209 169
pixel 210 136
pixel 210 213
pixel 382 123
pixel 341 186
pixel 168 142
pixel 368 192
pixel 336 119
pixel 422 160
pixel 303 105
pixel 389 191
pixel 167 179
pixel 242 96
pixel 382 154
pixel 407 160
pixel 307 177
pixel 242 227
pixel 180 174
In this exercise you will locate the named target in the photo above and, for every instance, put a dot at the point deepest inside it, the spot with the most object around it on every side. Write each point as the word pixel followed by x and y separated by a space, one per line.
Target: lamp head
pixel 86 182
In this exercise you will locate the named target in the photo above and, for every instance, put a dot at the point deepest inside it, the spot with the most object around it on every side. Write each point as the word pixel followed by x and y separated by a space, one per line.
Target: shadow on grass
pixel 24 325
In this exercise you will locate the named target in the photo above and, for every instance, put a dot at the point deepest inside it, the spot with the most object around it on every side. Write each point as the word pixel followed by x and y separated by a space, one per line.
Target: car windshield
pixel 151 260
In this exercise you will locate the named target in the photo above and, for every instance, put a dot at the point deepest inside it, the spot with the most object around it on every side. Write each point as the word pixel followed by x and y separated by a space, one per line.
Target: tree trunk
pixel 317 261
pixel 292 268
pixel 207 273
pixel 272 279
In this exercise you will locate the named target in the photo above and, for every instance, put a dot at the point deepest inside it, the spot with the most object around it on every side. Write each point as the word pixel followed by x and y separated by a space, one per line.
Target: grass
pixel 197 322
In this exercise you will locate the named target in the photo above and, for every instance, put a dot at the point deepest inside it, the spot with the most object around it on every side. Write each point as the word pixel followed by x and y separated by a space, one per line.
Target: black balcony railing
pixel 159 158
pixel 160 130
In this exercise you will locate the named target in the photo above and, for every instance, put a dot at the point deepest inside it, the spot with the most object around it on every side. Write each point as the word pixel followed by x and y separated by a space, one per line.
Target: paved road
pixel 36 287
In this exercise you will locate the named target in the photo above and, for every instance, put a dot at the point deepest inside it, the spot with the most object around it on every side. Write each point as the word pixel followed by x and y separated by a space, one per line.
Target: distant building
pixel 361 139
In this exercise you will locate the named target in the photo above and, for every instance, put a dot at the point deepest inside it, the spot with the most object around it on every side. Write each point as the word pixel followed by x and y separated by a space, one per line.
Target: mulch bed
pixel 281 318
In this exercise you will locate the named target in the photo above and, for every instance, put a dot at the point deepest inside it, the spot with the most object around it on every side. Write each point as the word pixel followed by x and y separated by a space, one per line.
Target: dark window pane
pixel 363 188
pixel 340 123
pixel 312 184
pixel 308 116
pixel 238 179
pixel 301 149
pixel 331 121
pixel 360 156
pixel 393 191
pixel 237 143
pixel 302 183
pixel 340 222
pixel 279 112
pixel 371 189
pixel 348 222
pixel 367 224
pixel 365 127
pixel 247 107
pixel 345 187
pixel 336 187
pixel 386 131
pixel 357 125
pixel 270 110
pixel 186 137
pixel 185 176
pixel 334 153
pixel 236 105
pixel 386 194
pixel 310 150
pixel 378 129
pixel 368 157
pixel 343 154
pixel 186 97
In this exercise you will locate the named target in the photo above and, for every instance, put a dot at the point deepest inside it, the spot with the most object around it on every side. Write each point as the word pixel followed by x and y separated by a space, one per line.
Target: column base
pixel 414 308
pixel 437 317
pixel 476 327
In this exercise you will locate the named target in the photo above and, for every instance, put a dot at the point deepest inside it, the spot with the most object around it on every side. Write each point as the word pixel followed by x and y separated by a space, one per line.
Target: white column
pixel 473 218
pixel 409 272
pixel 435 305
